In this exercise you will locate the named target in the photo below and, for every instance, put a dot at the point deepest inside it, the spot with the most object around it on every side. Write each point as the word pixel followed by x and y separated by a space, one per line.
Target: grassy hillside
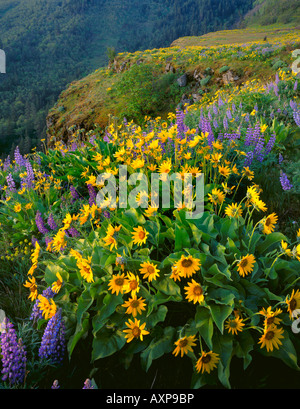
pixel 50 43
pixel 266 12
pixel 145 83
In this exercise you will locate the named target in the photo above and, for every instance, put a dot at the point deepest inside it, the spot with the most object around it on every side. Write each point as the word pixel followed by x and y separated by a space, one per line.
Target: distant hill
pixel 266 12
pixel 50 43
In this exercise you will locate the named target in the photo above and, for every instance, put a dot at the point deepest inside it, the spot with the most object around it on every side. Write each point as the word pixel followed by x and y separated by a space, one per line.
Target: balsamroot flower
pixel 207 362
pixel 36 313
pixel 184 345
pixel 13 356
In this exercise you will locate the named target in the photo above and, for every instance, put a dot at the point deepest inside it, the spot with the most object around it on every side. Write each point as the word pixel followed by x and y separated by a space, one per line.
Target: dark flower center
pixel 206 359
pixel 150 269
pixel 136 332
pixel 119 281
pixel 197 290
pixel 133 285
pixel 293 304
pixel 142 235
pixel 183 343
pixel 186 263
pixel 270 335
pixel 244 263
pixel 135 303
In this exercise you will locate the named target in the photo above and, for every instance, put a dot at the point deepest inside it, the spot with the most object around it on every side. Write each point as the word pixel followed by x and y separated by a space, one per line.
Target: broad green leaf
pixel 182 239
pixel 106 307
pixel 158 347
pixel 286 352
pixel 204 324
pixel 157 316
pixel 106 343
pixel 80 331
pixel 168 286
pixel 270 240
pixel 244 345
pixel 219 314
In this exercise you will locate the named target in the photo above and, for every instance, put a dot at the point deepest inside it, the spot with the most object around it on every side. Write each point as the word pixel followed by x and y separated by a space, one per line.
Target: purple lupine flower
pixel 205 127
pixel 249 159
pixel 55 385
pixel 259 149
pixel 51 222
pixel 30 174
pixel 215 124
pixel 6 163
pixel 296 115
pixel 181 128
pixel 13 355
pixel 229 115
pixel 270 144
pixel 225 123
pixel 47 240
pixel 92 194
pixel 220 102
pixel 249 136
pixel 73 147
pixel 285 183
pixel 11 186
pixel 74 193
pixel 53 341
pixel 40 223
pixel 18 157
pixel 293 105
pixel 36 313
pixel 88 384
pixel 92 140
pixel 73 232
pixel 33 241
pixel 280 159
pixel 220 137
pixel 296 85
pixel 215 109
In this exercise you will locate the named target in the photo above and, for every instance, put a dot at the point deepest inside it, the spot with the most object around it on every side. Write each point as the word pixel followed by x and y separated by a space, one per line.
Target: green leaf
pixel 204 324
pixel 219 314
pixel 157 316
pixel 221 296
pixel 134 217
pixel 80 331
pixel 84 302
pixel 168 286
pixel 106 308
pixel 182 239
pixel 223 345
pixel 286 352
pixel 197 233
pixel 269 241
pixel 158 347
pixel 106 343
pixel 244 345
